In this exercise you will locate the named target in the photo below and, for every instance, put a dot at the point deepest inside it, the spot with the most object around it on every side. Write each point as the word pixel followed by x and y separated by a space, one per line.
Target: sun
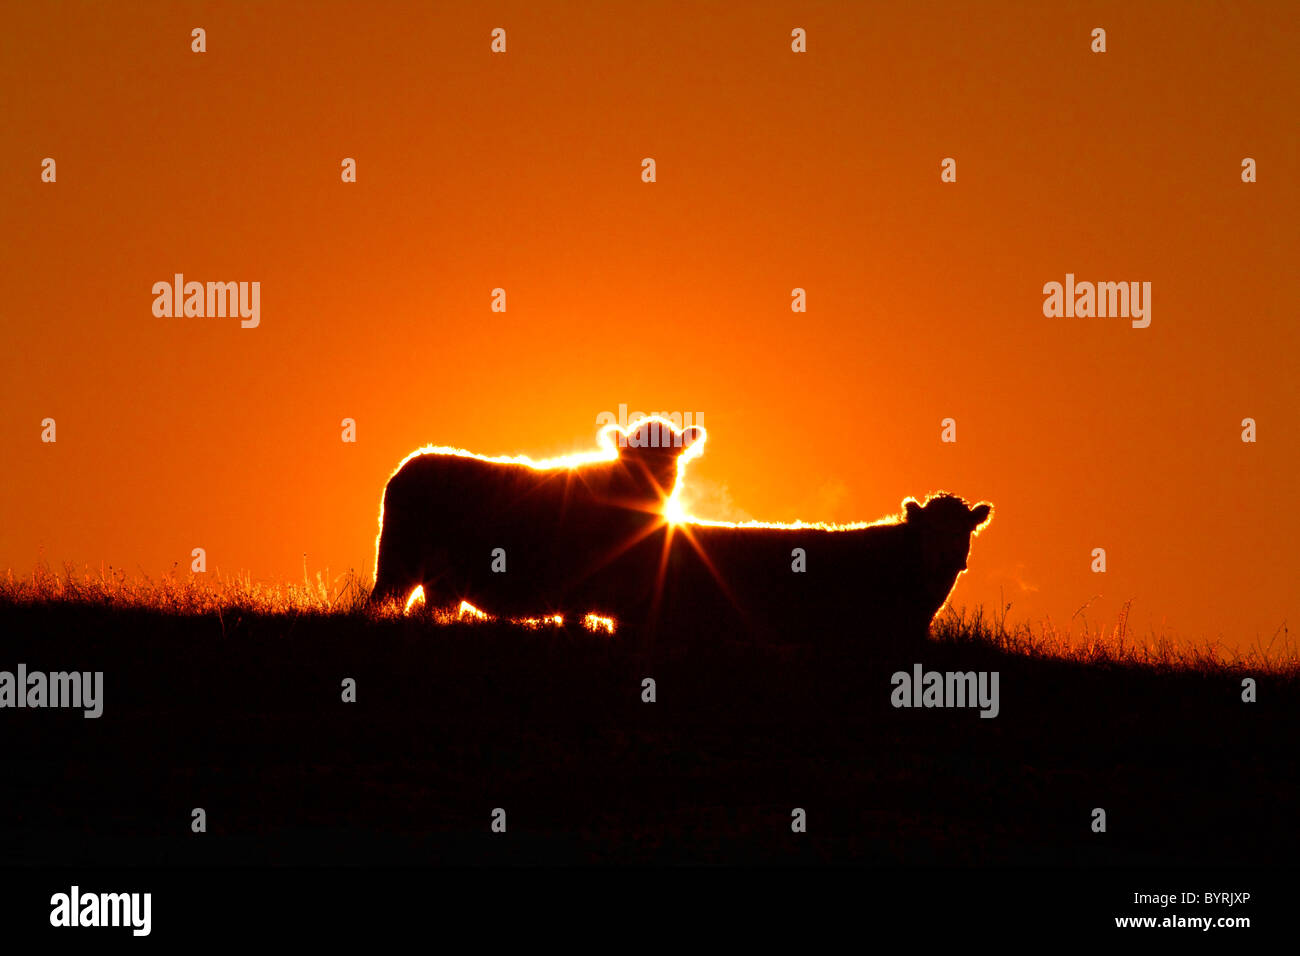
pixel 674 511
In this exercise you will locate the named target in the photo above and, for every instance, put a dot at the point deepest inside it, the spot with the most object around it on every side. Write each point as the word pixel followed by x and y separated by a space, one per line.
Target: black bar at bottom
pixel 534 904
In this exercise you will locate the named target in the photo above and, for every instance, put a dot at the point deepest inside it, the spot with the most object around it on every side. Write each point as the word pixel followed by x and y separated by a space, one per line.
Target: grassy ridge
pixel 347 594
pixel 234 706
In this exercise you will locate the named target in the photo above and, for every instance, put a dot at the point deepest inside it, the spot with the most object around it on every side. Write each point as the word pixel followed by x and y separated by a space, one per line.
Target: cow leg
pixel 390 584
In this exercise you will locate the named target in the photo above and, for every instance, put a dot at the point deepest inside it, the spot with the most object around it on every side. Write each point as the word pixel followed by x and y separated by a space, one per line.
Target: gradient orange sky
pixel 775 171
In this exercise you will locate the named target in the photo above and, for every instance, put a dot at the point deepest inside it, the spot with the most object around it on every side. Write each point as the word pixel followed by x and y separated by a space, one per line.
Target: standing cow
pixel 881 582
pixel 518 539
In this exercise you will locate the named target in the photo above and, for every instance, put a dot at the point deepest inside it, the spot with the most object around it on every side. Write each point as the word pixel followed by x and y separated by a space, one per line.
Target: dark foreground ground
pixel 244 718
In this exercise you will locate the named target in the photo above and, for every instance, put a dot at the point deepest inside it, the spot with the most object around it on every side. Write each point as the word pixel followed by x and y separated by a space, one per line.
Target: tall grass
pixel 348 594
pixel 186 593
pixel 1113 644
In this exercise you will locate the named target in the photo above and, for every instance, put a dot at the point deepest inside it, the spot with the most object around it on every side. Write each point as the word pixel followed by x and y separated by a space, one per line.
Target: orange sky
pixel 775 170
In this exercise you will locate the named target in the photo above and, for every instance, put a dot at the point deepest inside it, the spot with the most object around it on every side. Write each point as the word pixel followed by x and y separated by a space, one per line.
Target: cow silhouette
pixel 518 538
pixel 883 582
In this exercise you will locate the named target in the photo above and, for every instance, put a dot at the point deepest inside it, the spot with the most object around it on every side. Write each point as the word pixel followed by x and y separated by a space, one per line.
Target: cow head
pixel 649 454
pixel 944 525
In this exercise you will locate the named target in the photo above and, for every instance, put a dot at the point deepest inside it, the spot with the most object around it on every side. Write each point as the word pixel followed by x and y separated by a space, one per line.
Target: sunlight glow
pixel 674 510
pixel 553 620
pixel 604 438
pixel 469 610
pixel 594 622
pixel 899 517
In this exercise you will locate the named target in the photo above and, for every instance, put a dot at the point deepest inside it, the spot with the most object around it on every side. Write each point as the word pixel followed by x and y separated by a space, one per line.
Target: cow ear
pixel 979 514
pixel 913 509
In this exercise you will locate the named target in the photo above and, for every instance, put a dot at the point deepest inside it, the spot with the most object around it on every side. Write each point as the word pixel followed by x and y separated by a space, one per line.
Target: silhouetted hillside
pixel 241 714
